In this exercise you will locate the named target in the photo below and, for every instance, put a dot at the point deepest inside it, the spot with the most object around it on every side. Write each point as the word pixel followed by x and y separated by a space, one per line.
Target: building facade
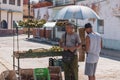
pixel 108 26
pixel 42 10
pixel 10 10
pixel 25 10
pixel 109 11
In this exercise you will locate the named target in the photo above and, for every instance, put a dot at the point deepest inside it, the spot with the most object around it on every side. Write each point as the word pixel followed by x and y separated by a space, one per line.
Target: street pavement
pixel 108 67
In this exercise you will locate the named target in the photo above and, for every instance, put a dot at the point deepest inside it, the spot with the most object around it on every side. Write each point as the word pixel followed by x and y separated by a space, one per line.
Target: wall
pixel 43 13
pixel 108 10
pixel 25 11
pixel 15 17
pixel 13 7
pixel 15 13
pixel 112 24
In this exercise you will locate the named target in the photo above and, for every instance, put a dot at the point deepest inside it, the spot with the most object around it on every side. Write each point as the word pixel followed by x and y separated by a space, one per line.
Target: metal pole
pixel 75 19
pixel 28 18
pixel 19 78
pixel 74 1
pixel 13 50
pixel 13 38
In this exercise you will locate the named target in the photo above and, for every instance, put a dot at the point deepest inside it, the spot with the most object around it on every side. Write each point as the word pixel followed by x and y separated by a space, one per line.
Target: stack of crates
pixel 81 50
pixel 41 74
pixel 55 72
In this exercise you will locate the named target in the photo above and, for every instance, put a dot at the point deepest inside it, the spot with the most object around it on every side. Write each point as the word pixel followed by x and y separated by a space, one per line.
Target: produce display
pixel 56 49
pixel 40 52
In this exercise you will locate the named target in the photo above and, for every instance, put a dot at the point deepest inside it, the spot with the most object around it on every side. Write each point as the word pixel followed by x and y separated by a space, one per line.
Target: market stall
pixel 39 53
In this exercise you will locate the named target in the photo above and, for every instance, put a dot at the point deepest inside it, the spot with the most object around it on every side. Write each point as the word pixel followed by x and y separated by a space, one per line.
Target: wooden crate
pixel 26 74
pixel 8 75
pixel 55 73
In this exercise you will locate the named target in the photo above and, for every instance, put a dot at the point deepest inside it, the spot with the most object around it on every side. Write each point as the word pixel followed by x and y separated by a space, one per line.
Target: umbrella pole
pixel 76 26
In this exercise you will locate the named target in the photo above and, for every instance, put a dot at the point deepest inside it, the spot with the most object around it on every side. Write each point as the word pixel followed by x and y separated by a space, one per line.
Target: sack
pixel 68 56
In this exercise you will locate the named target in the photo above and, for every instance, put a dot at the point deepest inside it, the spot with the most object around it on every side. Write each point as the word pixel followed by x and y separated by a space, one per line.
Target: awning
pixel 49 24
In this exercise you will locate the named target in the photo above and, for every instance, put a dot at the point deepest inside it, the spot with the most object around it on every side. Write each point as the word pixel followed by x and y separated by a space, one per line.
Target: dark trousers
pixel 71 69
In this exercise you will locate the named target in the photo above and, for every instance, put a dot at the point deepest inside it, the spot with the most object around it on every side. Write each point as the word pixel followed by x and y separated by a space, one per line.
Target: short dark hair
pixel 88 25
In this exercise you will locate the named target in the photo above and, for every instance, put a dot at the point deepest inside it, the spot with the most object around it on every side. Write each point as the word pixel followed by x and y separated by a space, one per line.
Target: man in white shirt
pixel 93 48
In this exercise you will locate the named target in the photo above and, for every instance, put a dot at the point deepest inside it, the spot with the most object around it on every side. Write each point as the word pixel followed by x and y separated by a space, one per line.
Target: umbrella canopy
pixel 76 12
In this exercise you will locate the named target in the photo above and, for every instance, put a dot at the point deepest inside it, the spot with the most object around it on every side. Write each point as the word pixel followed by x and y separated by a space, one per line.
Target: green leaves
pixel 32 23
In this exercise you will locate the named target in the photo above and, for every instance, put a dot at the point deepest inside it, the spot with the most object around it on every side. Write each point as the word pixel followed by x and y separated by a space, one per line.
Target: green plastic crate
pixel 41 74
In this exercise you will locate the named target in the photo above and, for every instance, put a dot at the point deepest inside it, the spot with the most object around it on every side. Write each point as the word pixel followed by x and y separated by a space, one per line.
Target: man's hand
pixel 72 49
pixel 65 48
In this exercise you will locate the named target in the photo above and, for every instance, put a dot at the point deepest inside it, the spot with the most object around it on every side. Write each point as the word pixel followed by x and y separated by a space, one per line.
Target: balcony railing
pixel 64 2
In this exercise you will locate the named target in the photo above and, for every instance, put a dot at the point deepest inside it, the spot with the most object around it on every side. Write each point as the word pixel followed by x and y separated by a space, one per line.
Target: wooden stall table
pixel 36 53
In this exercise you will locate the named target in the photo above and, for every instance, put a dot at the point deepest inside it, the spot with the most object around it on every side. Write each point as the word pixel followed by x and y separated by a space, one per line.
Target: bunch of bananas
pixel 56 49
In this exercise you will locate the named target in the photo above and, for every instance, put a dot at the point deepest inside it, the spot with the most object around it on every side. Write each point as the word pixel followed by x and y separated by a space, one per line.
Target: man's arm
pixel 87 43
pixel 78 42
pixel 61 43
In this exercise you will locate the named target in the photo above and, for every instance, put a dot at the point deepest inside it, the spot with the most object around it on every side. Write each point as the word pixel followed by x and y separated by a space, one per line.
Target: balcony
pixel 61 2
pixel 64 2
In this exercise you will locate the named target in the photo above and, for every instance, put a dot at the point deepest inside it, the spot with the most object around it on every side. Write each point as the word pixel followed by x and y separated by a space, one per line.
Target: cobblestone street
pixel 108 67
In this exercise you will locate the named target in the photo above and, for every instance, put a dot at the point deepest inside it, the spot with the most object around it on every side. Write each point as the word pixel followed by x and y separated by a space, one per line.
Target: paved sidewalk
pixel 108 66
pixel 111 53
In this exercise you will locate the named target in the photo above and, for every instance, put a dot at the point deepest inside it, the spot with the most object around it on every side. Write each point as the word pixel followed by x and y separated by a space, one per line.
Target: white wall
pixel 16 17
pixel 3 15
pixel 112 23
pixel 12 7
pixel 43 11
pixel 17 12
pixel 106 10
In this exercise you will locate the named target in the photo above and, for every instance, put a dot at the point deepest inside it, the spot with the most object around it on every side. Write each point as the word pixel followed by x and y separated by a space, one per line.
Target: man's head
pixel 69 28
pixel 88 28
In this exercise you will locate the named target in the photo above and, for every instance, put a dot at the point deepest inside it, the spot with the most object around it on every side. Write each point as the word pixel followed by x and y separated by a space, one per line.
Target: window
pixel 4 24
pixel 19 2
pixel 101 26
pixel 12 2
pixel 5 1
pixel 49 0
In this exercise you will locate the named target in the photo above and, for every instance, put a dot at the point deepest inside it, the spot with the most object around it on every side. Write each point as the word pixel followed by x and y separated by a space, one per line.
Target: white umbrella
pixel 76 12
